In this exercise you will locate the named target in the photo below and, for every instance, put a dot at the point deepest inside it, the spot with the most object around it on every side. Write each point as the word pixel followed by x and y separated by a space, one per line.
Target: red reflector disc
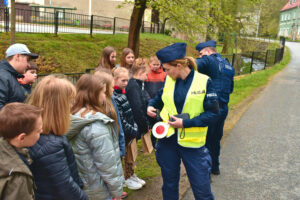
pixel 160 129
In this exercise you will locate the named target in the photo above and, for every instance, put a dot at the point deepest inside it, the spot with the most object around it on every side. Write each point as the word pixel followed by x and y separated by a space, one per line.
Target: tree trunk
pixel 13 21
pixel 163 26
pixel 226 43
pixel 135 25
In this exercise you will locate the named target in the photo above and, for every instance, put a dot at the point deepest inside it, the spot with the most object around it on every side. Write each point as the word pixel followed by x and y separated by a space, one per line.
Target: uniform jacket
pixel 96 147
pixel 155 82
pixel 222 78
pixel 129 126
pixel 16 181
pixel 10 89
pixel 55 170
pixel 210 104
pixel 137 98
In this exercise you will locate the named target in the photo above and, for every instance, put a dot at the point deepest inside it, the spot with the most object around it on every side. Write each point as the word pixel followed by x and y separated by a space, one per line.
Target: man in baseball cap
pixel 12 67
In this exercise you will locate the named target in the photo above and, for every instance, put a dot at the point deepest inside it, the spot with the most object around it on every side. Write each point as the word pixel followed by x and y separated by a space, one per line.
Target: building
pixel 106 8
pixel 289 20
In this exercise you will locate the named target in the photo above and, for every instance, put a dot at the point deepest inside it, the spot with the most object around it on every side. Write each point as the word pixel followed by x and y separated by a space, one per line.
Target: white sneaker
pixel 137 179
pixel 132 184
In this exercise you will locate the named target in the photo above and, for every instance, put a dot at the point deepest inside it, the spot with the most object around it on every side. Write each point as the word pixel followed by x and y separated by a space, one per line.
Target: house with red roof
pixel 289 20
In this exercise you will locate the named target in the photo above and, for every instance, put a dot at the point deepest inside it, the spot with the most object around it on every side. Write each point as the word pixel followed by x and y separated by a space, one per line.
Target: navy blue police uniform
pixel 169 152
pixel 221 72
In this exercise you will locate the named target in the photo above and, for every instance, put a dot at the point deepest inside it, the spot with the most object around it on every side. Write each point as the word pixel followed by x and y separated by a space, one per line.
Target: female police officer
pixel 185 92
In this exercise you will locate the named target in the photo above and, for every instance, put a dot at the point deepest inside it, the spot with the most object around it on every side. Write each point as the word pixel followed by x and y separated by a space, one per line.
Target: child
pixel 155 81
pixel 141 61
pixel 106 76
pixel 95 142
pixel 20 127
pixel 136 97
pixel 155 78
pixel 121 76
pixel 30 77
pixel 127 58
pixel 54 167
pixel 108 58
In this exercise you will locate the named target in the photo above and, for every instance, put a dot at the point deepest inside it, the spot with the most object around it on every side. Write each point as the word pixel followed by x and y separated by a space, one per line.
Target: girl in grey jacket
pixel 94 139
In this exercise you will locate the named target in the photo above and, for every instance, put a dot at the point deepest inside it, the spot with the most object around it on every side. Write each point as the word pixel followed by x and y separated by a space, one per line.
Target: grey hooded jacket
pixel 96 148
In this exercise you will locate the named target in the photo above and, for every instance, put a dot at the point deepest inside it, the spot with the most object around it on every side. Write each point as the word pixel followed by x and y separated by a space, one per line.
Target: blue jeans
pixel 197 163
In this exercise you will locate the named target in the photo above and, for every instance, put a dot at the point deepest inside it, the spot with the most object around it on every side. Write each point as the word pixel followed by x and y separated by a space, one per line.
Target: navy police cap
pixel 172 52
pixel 203 45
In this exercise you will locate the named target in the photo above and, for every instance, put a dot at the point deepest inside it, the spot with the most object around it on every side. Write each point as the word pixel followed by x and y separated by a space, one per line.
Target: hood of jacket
pixel 78 122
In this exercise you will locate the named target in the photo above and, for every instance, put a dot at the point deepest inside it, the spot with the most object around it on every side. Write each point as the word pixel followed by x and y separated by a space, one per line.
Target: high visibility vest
pixel 193 137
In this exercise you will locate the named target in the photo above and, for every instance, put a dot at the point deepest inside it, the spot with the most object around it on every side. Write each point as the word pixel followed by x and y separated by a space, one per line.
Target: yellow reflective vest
pixel 193 137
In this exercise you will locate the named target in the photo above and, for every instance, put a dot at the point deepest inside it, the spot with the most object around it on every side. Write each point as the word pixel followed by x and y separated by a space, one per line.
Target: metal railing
pixel 249 62
pixel 34 21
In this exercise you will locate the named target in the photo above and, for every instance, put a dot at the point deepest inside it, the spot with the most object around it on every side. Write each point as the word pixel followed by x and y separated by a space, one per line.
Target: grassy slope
pixel 75 53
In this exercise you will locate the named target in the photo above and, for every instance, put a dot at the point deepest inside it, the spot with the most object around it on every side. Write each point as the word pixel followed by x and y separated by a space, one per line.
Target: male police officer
pixel 221 72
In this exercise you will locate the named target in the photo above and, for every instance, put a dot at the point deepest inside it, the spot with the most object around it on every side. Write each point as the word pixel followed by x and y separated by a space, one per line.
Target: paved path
pixel 260 159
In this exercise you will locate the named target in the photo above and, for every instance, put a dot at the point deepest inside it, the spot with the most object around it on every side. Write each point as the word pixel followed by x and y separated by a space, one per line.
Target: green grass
pixel 246 85
pixel 76 52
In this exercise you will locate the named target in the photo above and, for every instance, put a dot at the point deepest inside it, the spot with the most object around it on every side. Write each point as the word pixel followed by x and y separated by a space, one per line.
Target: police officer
pixel 221 72
pixel 185 92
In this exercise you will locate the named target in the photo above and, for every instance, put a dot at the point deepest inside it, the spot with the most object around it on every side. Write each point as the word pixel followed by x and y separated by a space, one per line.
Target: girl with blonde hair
pixel 54 167
pixel 94 139
pixel 111 106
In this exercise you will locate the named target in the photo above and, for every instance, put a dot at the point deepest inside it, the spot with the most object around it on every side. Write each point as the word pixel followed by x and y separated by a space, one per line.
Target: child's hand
pixel 151 111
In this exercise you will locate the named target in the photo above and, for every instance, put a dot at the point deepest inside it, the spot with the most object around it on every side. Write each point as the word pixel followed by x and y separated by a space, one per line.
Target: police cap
pixel 172 52
pixel 203 45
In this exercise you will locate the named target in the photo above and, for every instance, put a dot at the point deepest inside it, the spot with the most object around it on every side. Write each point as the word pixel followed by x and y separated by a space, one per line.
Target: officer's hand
pixel 177 122
pixel 151 111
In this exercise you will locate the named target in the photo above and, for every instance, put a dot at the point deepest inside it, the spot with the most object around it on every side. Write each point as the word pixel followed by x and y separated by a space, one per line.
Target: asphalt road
pixel 260 159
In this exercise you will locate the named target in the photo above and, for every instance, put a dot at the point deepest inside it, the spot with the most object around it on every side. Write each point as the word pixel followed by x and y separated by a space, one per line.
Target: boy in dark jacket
pixel 20 127
pixel 137 97
pixel 29 78
pixel 121 76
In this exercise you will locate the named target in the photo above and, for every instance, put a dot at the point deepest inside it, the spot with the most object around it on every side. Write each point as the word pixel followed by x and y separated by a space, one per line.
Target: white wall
pixel 40 2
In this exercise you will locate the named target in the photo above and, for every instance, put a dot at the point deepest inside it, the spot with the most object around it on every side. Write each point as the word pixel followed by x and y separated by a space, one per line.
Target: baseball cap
pixel 19 49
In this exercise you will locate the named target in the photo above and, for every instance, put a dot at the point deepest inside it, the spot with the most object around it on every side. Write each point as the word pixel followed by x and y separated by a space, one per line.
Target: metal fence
pixel 243 63
pixel 249 62
pixel 35 21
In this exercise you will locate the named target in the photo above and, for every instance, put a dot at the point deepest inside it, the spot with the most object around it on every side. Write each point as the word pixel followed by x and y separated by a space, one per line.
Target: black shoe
pixel 215 172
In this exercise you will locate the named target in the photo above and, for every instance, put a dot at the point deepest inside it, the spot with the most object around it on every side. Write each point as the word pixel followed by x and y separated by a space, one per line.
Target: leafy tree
pixel 270 13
